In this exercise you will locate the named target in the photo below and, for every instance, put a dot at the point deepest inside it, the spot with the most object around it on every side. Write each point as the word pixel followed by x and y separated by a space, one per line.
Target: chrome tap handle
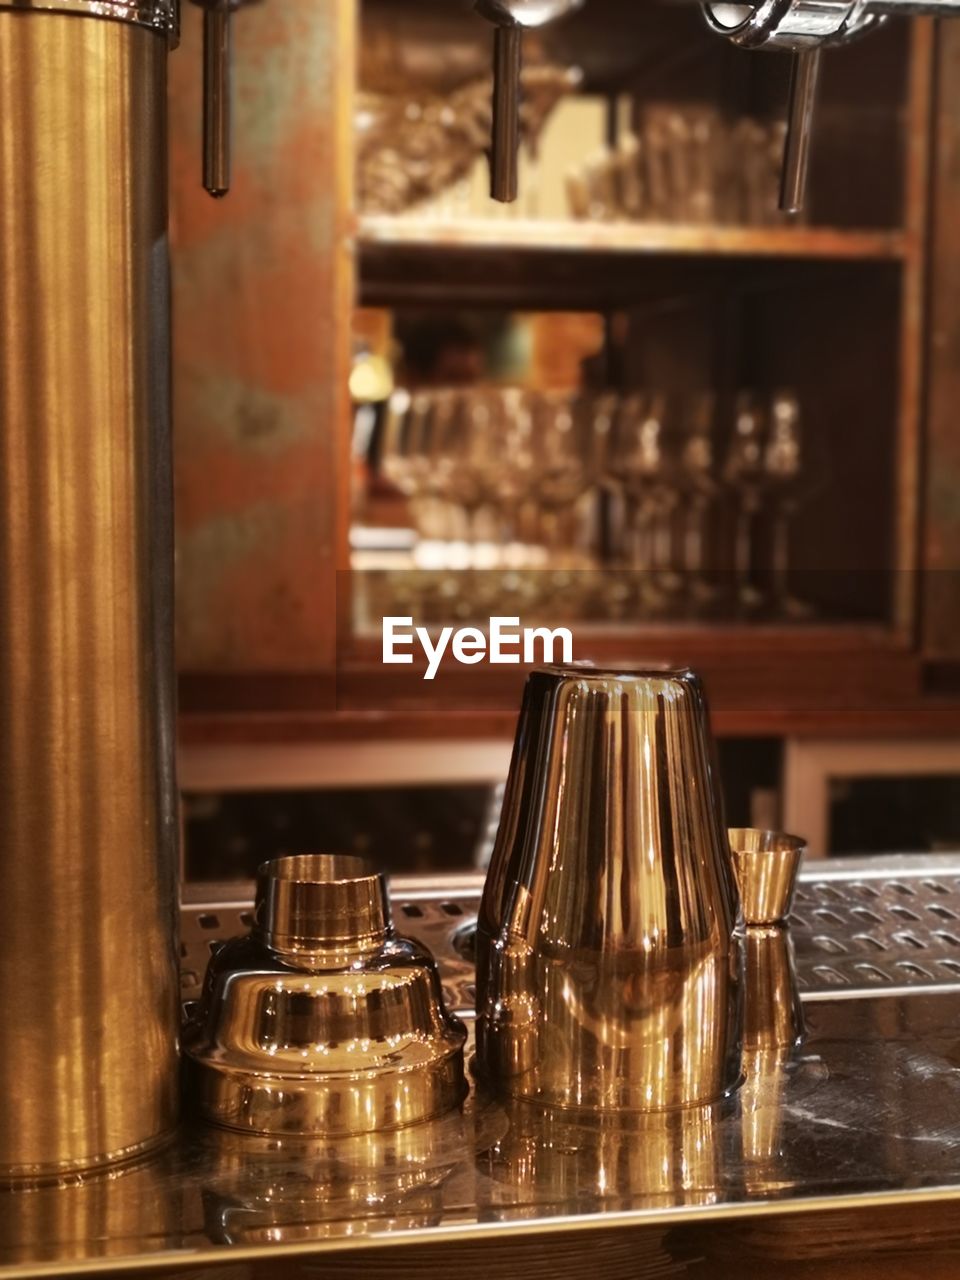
pixel 509 18
pixel 795 25
pixel 804 27
pixel 800 112
pixel 505 134
pixel 217 86
pixel 801 27
pixel 217 92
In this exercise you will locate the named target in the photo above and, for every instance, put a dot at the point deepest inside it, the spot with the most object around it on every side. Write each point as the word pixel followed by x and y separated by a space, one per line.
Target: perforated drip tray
pixel 859 925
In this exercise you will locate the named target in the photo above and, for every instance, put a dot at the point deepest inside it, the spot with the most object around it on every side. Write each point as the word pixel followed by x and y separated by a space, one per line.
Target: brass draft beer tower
pixel 89 1005
pixel 88 826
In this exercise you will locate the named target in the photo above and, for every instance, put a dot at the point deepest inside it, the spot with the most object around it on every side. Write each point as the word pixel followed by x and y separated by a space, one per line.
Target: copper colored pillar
pixel 88 936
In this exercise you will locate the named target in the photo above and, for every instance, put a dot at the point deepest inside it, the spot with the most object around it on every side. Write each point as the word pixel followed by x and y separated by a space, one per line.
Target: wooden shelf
pixel 760 681
pixel 516 264
pixel 921 717
pixel 512 235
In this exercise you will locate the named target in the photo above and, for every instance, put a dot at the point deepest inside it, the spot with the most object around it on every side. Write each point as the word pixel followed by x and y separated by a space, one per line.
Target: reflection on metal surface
pixel 761 1110
pixel 794 25
pixel 772 1013
pixel 608 962
pixel 88 1000
pixel 767 1080
pixel 772 1030
pixel 323 1021
pixel 604 1162
pixel 766 864
pixel 96 1219
pixel 866 1113
pixel 262 1190
pixel 321 911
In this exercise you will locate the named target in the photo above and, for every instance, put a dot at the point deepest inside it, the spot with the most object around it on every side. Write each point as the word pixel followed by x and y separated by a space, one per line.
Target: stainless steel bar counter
pixel 862 1117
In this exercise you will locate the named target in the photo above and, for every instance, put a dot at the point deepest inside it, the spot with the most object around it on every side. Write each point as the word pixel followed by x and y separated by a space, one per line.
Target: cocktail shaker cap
pixel 322 1021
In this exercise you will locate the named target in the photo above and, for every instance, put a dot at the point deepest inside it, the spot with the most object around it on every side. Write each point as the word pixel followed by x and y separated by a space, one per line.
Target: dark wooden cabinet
pixel 859 308
pixel 940 484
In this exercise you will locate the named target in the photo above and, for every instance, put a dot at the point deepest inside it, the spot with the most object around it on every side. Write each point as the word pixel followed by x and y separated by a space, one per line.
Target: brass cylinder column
pixel 88 933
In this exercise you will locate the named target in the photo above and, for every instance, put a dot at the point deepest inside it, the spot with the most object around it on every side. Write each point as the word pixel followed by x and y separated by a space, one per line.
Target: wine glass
pixel 512 483
pixel 698 489
pixel 744 471
pixel 665 501
pixel 637 464
pixel 784 466
pixel 404 463
pixel 404 454
pixel 561 452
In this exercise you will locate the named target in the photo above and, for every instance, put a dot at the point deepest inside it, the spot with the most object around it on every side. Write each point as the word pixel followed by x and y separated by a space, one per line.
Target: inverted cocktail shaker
pixel 609 956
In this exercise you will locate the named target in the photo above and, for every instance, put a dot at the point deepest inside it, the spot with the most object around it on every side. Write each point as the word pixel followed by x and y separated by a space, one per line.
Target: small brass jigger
pixel 322 1021
pixel 608 959
pixel 766 864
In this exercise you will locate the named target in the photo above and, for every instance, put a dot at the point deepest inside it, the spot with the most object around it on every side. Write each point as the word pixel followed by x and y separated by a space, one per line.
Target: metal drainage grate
pixel 855 930
pixel 878 931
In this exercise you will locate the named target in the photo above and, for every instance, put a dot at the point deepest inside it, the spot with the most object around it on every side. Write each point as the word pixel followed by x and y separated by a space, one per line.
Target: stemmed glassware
pixel 515 482
pixel 697 493
pixel 405 450
pixel 562 472
pixel 768 473
pixel 508 479
pixel 785 466
pixel 466 458
pixel 638 463
pixel 682 163
pixel 744 471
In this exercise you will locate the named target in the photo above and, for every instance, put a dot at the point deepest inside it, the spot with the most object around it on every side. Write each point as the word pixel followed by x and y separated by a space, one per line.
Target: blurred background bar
pixel 640 402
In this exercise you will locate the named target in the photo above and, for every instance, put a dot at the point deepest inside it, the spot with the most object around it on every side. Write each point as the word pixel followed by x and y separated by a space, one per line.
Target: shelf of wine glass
pixel 380 233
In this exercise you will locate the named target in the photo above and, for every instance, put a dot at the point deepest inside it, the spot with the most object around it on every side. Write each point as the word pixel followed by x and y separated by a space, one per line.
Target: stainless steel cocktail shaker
pixel 323 1021
pixel 608 952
